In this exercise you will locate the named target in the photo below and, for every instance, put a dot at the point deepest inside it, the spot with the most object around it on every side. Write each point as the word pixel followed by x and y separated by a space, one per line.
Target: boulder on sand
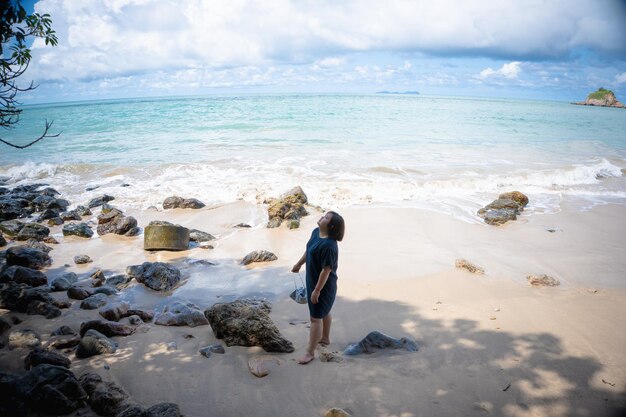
pixel 290 206
pixel 165 236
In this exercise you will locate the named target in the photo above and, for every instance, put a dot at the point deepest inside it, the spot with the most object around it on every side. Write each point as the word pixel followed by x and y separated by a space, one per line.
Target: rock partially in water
pixel 77 229
pixel 247 323
pixel 114 312
pixel 116 222
pixel 196 235
pixel 258 256
pixel 542 280
pixel 165 236
pixel 98 201
pixel 290 206
pixel 78 293
pixel 506 208
pixel 179 202
pixel 158 276
pixel 180 313
pixel 93 302
pixel 11 227
pixel 33 231
pixel 82 259
pixel 67 216
pixel 35 244
pixel 376 340
pixel 467 265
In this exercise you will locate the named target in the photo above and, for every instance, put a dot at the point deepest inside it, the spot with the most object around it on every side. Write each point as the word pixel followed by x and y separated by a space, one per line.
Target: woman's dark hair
pixel 336 227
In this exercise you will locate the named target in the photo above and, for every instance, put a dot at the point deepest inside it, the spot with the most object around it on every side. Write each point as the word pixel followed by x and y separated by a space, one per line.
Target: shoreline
pixel 554 346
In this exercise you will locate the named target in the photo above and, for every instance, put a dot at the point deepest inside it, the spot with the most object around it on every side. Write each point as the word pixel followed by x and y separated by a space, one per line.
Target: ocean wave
pixel 458 191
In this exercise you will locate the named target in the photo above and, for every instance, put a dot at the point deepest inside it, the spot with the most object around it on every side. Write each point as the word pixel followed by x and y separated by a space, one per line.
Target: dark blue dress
pixel 321 252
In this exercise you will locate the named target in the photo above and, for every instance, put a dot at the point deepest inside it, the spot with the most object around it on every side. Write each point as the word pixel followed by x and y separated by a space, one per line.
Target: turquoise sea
pixel 447 154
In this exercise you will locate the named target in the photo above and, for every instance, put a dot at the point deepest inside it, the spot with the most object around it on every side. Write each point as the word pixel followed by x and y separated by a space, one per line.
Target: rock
pixel 376 341
pixel 293 224
pixel 602 98
pixel 83 211
pixel 49 310
pixel 32 231
pixel 11 227
pixel 105 397
pixel 98 278
pixel 179 202
pixel 50 390
pixel 179 313
pixel 207 350
pixel 12 208
pixel 39 356
pixel 77 229
pixel 3 241
pixel 337 412
pixel 242 225
pixel 163 410
pixel 115 222
pixel 105 290
pixel 132 410
pixel 290 206
pixel 98 201
pixel 258 256
pixel 51 240
pixel 64 330
pixel 135 231
pixel 146 316
pixel 247 323
pixel 27 257
pixel 328 356
pixel 78 293
pixel 107 328
pixel 196 235
pixel 64 342
pixel 32 243
pixel 82 259
pixel 93 302
pixel 259 365
pixel 62 303
pixel 18 297
pixel 114 312
pixel 67 216
pixel 464 264
pixel 49 214
pixel 23 275
pixel 95 343
pixel 161 235
pixel 118 281
pixel 24 339
pixel 55 221
pixel 158 276
pixel 134 320
pixel 4 325
pixel 505 208
pixel 542 280
pixel 64 282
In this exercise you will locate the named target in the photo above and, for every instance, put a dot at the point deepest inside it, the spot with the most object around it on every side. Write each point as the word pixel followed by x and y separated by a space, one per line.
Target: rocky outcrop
pixel 505 208
pixel 77 229
pixel 258 256
pixel 602 98
pixel 179 202
pixel 114 221
pixel 290 206
pixel 376 340
pixel 158 276
pixel 160 235
pixel 247 323
pixel 179 313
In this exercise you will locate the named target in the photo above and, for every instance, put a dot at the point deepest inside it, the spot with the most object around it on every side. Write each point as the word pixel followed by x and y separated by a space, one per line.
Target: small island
pixel 602 98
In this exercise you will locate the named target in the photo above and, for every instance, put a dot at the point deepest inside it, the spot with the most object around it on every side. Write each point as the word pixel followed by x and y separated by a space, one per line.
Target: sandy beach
pixel 488 344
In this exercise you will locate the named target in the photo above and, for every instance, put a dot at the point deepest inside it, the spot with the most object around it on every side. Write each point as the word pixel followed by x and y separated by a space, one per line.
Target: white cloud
pixel 509 71
pixel 112 38
pixel 620 78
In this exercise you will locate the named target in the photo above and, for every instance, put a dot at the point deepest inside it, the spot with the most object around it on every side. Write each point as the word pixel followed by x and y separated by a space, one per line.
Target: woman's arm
pixel 298 265
pixel 320 284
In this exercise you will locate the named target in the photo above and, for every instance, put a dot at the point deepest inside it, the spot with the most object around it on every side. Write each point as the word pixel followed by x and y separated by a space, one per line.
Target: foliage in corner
pixel 600 94
pixel 16 28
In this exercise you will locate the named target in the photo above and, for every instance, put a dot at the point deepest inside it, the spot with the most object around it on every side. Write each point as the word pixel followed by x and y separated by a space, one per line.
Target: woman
pixel 321 257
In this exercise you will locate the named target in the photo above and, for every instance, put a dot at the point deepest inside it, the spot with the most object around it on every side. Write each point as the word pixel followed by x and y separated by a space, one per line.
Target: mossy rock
pixel 166 237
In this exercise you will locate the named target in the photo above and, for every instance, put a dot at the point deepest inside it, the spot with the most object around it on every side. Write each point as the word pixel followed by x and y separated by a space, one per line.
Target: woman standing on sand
pixel 321 257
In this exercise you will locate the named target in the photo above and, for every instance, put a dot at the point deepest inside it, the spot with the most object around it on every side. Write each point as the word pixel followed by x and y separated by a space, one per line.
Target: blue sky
pixel 541 49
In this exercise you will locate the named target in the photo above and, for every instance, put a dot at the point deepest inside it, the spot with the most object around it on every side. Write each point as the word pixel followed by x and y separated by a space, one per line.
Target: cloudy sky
pixel 545 49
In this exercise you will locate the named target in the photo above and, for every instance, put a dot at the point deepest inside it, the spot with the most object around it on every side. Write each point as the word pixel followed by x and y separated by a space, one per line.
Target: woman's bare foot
pixel 324 342
pixel 306 358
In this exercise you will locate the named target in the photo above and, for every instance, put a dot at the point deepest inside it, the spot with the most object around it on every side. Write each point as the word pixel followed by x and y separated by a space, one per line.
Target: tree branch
pixel 44 135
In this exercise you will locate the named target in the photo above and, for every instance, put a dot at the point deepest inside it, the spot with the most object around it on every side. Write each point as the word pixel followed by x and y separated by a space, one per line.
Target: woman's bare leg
pixel 326 322
pixel 315 333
